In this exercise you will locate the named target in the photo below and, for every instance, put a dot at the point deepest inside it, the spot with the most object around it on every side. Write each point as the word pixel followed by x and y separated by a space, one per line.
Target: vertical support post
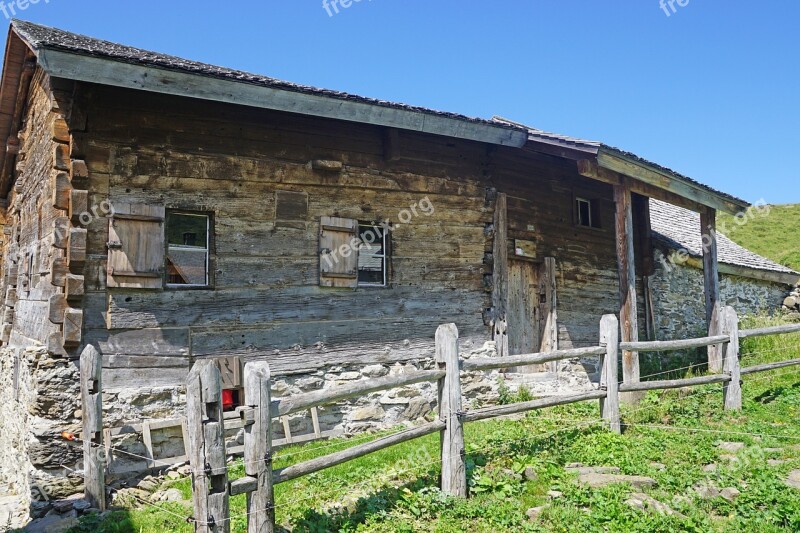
pixel 609 378
pixel 732 391
pixel 629 318
pixel 500 255
pixel 92 407
pixel 258 448
pixel 207 448
pixel 708 227
pixel 454 471
pixel 548 326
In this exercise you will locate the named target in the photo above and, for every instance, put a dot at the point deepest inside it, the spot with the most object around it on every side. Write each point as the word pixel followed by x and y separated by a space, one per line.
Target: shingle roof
pixel 594 147
pixel 39 36
pixel 679 229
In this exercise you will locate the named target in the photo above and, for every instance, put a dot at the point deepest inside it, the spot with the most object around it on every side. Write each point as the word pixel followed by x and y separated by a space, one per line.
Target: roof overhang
pixel 106 71
pixel 785 278
pixel 616 161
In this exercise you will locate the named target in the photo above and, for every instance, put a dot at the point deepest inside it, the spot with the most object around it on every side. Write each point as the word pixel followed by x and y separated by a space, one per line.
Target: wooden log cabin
pixel 165 210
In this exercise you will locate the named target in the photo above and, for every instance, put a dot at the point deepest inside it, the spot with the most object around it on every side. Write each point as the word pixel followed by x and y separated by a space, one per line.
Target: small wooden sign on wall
pixel 525 248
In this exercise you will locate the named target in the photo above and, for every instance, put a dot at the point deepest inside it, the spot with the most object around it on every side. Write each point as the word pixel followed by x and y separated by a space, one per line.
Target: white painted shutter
pixel 136 246
pixel 338 252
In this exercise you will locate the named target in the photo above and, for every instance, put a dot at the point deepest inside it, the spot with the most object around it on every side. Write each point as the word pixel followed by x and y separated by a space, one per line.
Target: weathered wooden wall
pixel 266 302
pixel 29 238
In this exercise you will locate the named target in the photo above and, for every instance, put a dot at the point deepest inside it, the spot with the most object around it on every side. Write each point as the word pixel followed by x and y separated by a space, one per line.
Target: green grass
pixel 395 489
pixel 771 233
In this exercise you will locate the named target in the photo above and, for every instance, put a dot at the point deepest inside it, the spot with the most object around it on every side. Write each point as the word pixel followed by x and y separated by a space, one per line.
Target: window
pixel 371 255
pixel 187 249
pixel 586 213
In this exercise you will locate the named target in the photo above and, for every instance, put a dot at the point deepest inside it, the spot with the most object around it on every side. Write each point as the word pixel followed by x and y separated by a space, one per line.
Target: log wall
pixel 238 163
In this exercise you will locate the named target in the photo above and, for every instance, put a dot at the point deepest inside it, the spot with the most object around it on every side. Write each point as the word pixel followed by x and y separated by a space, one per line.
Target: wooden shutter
pixel 136 246
pixel 338 252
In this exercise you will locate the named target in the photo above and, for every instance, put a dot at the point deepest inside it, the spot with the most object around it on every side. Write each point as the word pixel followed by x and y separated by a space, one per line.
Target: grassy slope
pixel 774 234
pixel 398 495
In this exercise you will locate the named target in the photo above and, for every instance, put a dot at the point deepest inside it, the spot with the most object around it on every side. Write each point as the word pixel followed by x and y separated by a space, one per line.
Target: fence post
pixel 92 437
pixel 258 448
pixel 732 391
pixel 454 471
pixel 609 368
pixel 207 448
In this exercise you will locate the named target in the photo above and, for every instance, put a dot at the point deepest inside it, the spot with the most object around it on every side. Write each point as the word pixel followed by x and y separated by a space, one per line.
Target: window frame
pixel 595 223
pixel 385 255
pixel 209 284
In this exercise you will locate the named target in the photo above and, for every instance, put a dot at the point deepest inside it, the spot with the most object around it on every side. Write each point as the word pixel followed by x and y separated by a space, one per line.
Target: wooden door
pixel 523 308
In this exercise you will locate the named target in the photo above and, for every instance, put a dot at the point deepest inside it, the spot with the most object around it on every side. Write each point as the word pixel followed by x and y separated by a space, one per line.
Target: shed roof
pixel 680 229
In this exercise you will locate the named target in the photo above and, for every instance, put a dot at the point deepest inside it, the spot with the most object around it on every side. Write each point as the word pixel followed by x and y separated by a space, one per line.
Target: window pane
pixel 371 237
pixel 584 213
pixel 186 266
pixel 371 260
pixel 188 230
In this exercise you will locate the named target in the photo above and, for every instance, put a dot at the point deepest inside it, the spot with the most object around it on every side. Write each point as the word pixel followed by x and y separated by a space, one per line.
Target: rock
pixel 593 470
pixel 62 506
pixel 417 408
pixel 773 450
pixel 81 505
pixel 534 513
pixel 710 468
pixel 731 447
pixel 53 523
pixel 793 481
pixel 775 462
pixel 706 491
pixel 730 493
pixel 374 412
pixel 554 494
pixel 171 495
pixel 310 383
pixel 642 502
pixel 349 376
pixel 791 302
pixel 173 475
pixel 596 481
pixel 375 371
pixel 574 465
pixel 658 466
pixel 530 474
pixel 148 484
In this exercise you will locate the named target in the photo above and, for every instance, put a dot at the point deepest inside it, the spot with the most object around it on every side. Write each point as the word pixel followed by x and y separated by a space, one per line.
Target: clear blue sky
pixel 712 90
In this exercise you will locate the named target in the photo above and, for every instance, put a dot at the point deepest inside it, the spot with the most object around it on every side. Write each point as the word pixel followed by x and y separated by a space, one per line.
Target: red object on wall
pixel 227 400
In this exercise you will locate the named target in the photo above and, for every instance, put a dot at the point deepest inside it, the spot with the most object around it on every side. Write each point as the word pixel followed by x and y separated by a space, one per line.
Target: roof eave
pixel 107 71
pixel 614 160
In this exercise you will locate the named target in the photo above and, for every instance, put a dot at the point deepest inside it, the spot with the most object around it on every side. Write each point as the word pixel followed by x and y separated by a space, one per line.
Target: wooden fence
pixel 208 458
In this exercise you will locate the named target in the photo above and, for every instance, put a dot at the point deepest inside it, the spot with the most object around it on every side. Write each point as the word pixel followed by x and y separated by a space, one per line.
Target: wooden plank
pixel 57 307
pixel 732 390
pixel 627 282
pixel 671 183
pixel 58 272
pixel 76 247
pixel 92 409
pixel 74 288
pixel 78 206
pixel 548 308
pixel 207 448
pixel 338 247
pixel 119 74
pixel 258 449
pixel 315 422
pixel 708 229
pixel 287 430
pixel 61 228
pixel 147 439
pixel 489 363
pixel 500 255
pixel 673 384
pixel 301 402
pixel 61 160
pixel 609 373
pixel 668 346
pixel 769 366
pixel 315 465
pixel 772 330
pixel 504 410
pixel 62 189
pixel 73 327
pixel 454 473
pixel 521 312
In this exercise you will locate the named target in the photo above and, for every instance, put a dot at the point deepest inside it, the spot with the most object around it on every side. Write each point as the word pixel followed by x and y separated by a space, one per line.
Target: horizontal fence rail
pixel 494 363
pixel 503 410
pixel 674 383
pixel 669 346
pixel 772 330
pixel 769 366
